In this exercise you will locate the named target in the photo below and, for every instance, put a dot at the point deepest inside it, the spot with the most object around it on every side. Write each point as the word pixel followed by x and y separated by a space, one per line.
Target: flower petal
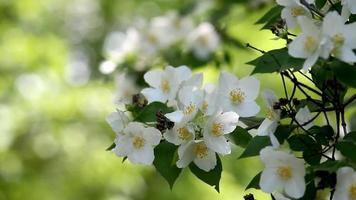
pixel 206 163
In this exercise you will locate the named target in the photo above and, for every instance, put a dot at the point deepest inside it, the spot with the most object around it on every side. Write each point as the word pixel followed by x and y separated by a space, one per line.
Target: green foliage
pixel 251 121
pixel 148 113
pixel 275 60
pixel 271 17
pixel 241 137
pixel 311 148
pixel 255 145
pixel 212 177
pixel 329 165
pixel 255 182
pixel 344 73
pixel 347 146
pixel 165 162
pixel 283 132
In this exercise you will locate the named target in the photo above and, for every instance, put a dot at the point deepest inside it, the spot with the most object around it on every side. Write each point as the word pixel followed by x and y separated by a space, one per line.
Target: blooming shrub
pixel 177 122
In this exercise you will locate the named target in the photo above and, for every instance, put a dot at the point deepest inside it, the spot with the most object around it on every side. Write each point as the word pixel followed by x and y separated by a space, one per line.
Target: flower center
pixel 189 109
pixel 338 39
pixel 216 129
pixel 183 133
pixel 204 106
pixel 352 191
pixel 138 142
pixel 200 150
pixel 284 172
pixel 297 11
pixel 310 44
pixel 165 86
pixel 204 40
pixel 237 96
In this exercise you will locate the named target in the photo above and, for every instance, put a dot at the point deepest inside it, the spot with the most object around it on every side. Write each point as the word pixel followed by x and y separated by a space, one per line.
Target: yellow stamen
pixel 183 133
pixel 200 150
pixel 189 109
pixel 165 86
pixel 338 39
pixel 205 106
pixel 216 129
pixel 310 44
pixel 297 11
pixel 352 191
pixel 271 114
pixel 138 142
pixel 237 96
pixel 284 172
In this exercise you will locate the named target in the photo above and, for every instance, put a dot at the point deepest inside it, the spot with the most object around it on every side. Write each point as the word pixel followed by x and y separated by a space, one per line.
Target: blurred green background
pixel 53 102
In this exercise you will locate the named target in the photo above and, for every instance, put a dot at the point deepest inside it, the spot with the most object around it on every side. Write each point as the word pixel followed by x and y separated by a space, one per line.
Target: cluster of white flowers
pixel 332 37
pixel 202 118
pixel 145 43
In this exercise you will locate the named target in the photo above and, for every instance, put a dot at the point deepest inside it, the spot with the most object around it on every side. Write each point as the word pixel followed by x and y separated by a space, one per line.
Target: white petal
pixel 250 86
pixel 152 95
pixel 152 136
pixel 206 163
pixel 144 155
pixel 171 136
pixel 185 154
pixel 269 97
pixel 296 48
pixel 286 2
pixel 189 94
pixel 274 140
pixel 123 146
pixel 267 127
pixel 217 144
pixel 195 81
pixel 307 25
pixel 269 181
pixel 183 73
pixel 117 120
pixel 295 187
pixel 229 121
pixel 175 116
pixel 153 78
pixel 291 21
pixel 247 109
pixel 347 55
pixel 310 61
pixel 226 80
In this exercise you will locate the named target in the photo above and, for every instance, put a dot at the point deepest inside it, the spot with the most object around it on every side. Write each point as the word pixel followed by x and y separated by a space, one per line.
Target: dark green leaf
pixel 164 162
pixel 255 182
pixel 322 134
pixel 283 131
pixel 320 3
pixel 344 73
pixel 329 165
pixel 112 146
pixel 272 13
pixel 310 192
pixel 347 149
pixel 300 142
pixel 311 105
pixel 312 155
pixel 148 113
pixel 212 177
pixel 255 145
pixel 275 61
pixel 251 121
pixel 241 137
pixel 351 137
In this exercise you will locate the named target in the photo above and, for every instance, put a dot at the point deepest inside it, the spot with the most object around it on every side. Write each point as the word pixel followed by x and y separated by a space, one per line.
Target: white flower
pixel 269 125
pixel 137 143
pixel 125 89
pixel 203 41
pixel 341 38
pixel 190 100
pixel 118 45
pixel 238 95
pixel 215 129
pixel 303 116
pixel 118 121
pixel 210 104
pixel 283 172
pixel 309 44
pixel 180 133
pixel 197 152
pixel 279 196
pixel 165 83
pixel 292 9
pixel 345 188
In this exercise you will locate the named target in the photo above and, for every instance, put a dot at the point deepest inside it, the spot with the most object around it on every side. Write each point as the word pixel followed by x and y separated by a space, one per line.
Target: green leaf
pixel 165 162
pixel 283 132
pixel 148 113
pixel 271 17
pixel 320 3
pixel 212 177
pixel 300 142
pixel 275 61
pixel 311 105
pixel 329 165
pixel 344 73
pixel 322 134
pixel 310 192
pixel 111 147
pixel 255 182
pixel 251 121
pixel 255 145
pixel 351 137
pixel 313 155
pixel 241 137
pixel 348 149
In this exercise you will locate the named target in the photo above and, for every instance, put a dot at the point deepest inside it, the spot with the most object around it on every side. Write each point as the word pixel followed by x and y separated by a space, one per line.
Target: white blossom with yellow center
pixel 180 133
pixel 165 83
pixel 203 41
pixel 293 9
pixel 345 188
pixel 283 172
pixel 137 142
pixel 198 152
pixel 309 44
pixel 238 95
pixel 190 100
pixel 270 123
pixel 341 37
pixel 216 128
